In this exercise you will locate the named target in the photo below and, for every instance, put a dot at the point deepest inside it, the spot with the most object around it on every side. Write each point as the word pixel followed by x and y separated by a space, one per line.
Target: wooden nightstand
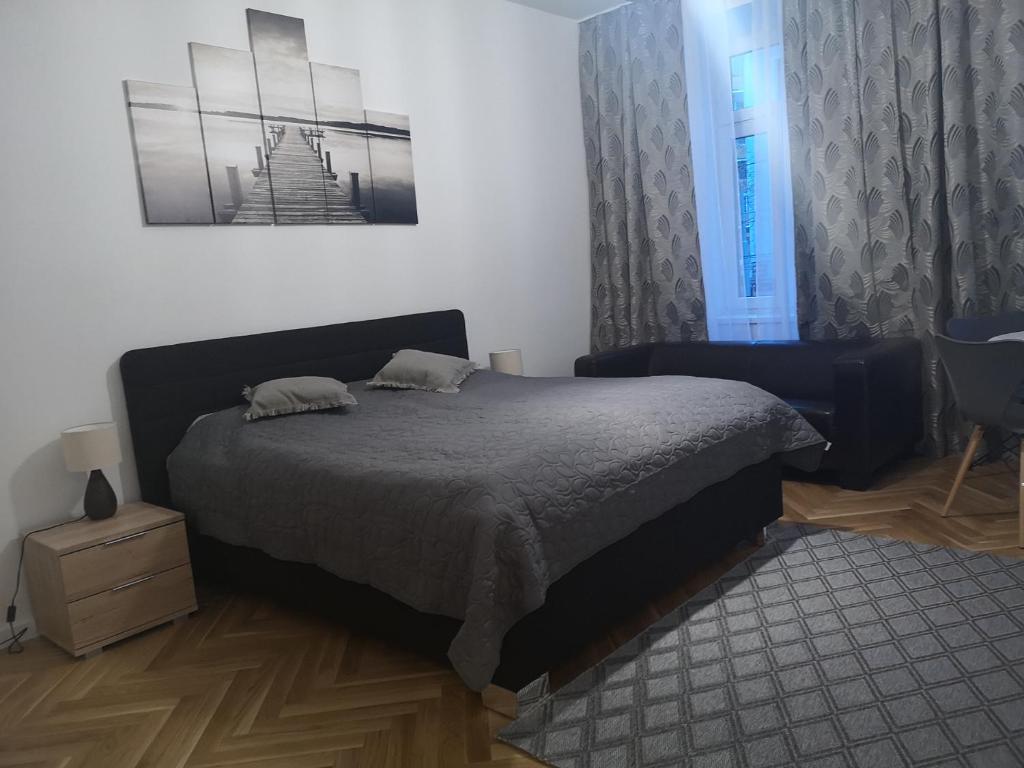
pixel 95 582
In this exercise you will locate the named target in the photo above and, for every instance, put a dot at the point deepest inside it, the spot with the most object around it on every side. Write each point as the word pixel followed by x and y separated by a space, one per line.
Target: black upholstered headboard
pixel 166 388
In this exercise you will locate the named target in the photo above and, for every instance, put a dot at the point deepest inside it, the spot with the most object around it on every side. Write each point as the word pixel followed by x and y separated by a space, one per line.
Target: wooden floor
pixel 907 504
pixel 245 683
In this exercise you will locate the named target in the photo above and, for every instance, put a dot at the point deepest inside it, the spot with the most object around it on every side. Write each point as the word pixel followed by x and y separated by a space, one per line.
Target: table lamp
pixel 508 361
pixel 89 448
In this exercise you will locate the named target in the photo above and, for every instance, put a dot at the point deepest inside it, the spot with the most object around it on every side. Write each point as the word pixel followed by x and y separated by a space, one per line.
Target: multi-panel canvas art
pixel 266 136
pixel 169 153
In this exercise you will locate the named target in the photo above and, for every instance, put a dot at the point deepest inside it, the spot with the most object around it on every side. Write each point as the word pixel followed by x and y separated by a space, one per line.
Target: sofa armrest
pixel 878 403
pixel 616 363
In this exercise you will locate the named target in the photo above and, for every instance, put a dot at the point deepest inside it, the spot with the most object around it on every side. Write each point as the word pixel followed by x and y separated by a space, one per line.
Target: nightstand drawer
pixel 132 604
pixel 123 559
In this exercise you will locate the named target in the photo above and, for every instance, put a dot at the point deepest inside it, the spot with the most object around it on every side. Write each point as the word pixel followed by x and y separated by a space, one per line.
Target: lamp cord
pixel 13 642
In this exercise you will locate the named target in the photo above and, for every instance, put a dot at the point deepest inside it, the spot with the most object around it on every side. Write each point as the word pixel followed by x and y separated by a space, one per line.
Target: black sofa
pixel 864 397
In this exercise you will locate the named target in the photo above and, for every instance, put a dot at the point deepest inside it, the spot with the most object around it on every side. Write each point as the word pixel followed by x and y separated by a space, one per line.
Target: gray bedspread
pixel 471 505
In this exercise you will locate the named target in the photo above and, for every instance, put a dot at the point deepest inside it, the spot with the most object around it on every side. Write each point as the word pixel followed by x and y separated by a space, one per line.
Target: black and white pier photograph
pixel 265 136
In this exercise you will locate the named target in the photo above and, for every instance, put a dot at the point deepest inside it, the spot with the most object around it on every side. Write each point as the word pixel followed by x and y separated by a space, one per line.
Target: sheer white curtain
pixel 737 104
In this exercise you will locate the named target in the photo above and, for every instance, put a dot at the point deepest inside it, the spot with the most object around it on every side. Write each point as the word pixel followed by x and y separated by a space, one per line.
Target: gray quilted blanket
pixel 471 505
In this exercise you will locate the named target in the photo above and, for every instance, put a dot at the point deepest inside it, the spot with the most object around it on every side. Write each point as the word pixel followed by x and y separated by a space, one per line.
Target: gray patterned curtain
pixel 907 139
pixel 645 259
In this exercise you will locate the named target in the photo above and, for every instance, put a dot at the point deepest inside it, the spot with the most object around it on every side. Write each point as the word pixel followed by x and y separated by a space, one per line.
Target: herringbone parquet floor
pixel 907 504
pixel 245 683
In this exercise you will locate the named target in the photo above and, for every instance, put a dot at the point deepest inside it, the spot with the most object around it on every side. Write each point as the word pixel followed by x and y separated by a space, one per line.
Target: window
pixel 741 69
pixel 734 68
pixel 746 174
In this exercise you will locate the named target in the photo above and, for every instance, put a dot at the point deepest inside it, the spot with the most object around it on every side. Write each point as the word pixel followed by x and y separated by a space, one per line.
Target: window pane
pixel 754 216
pixel 756 77
pixel 741 68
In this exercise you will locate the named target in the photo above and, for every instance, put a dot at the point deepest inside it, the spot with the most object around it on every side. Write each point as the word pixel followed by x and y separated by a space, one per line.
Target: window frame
pixel 752 121
pixel 709 42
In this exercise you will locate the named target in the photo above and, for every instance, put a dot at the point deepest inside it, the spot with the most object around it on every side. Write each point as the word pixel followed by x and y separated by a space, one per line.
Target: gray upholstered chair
pixel 984 328
pixel 985 377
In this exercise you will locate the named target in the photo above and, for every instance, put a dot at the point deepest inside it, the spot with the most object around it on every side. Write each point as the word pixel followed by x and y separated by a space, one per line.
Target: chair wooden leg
pixel 972 448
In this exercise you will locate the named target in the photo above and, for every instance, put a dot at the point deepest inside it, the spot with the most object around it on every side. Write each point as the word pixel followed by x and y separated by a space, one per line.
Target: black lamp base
pixel 100 501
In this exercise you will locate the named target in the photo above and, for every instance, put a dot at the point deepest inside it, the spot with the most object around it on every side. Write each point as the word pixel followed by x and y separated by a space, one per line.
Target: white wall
pixel 492 90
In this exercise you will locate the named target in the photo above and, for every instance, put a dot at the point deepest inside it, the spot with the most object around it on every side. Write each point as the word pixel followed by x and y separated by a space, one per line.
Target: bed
pixel 479 526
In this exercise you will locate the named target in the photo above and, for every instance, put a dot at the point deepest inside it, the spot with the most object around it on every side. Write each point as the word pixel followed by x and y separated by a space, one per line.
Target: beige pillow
pixel 413 369
pixel 300 394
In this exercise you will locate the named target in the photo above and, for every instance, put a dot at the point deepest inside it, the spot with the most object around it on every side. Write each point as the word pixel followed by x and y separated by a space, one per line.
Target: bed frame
pixel 166 388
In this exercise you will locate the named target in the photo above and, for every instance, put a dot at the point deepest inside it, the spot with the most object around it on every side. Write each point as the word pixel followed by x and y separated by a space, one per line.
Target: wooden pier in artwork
pixel 294 187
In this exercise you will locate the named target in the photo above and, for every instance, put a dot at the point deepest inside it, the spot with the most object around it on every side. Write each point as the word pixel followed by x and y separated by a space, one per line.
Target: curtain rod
pixel 606 10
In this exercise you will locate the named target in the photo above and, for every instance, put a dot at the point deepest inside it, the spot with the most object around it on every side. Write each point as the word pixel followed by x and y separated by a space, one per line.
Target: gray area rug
pixel 826 649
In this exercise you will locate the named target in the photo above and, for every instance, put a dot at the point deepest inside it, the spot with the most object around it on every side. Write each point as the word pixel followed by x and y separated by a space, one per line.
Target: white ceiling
pixel 573 9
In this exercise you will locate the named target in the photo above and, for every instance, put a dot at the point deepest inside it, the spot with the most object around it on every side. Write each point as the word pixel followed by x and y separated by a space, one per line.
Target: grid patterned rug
pixel 825 649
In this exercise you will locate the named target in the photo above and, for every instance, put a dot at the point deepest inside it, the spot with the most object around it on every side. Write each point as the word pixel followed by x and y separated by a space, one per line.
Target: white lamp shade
pixel 91 446
pixel 508 361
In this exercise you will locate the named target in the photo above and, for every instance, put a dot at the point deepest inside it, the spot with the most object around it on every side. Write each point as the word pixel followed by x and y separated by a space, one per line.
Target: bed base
pixel 589 600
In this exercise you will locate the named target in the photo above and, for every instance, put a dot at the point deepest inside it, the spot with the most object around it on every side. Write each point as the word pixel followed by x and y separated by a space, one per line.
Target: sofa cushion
pixel 798 369
pixel 817 412
pixel 722 360
pixel 801 370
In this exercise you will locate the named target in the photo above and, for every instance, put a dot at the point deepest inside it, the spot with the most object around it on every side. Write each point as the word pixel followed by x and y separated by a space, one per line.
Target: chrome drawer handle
pixel 131 584
pixel 123 538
